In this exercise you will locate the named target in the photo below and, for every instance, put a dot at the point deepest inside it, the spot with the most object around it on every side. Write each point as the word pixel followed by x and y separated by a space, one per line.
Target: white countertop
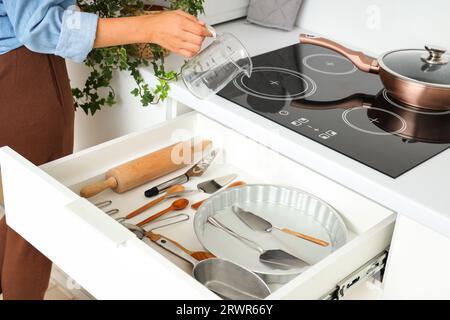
pixel 422 194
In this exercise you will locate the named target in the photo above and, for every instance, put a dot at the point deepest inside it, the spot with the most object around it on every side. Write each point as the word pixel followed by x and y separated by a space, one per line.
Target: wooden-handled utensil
pixel 147 168
pixel 258 223
pixel 305 237
pixel 177 205
pixel 173 190
pixel 197 205
pixel 154 237
pixel 276 258
pixel 195 171
pixel 198 255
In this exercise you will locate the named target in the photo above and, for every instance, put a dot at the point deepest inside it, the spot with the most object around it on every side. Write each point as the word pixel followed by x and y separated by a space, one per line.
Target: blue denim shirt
pixel 47 26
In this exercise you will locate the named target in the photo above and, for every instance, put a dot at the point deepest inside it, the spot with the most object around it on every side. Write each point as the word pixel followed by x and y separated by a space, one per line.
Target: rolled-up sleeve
pixel 53 26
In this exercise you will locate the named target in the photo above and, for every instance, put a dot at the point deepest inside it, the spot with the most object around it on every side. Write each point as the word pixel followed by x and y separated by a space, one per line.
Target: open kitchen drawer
pixel 43 205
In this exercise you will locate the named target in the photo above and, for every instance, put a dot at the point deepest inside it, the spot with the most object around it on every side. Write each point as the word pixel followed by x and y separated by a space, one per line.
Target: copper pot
pixel 419 78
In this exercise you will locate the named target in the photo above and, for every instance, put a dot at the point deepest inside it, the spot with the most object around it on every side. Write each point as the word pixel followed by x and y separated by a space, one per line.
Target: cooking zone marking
pixel 274 83
pixel 346 117
pixel 328 64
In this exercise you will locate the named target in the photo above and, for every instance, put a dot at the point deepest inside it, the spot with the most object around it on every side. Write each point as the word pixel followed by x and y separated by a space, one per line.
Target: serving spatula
pixel 257 223
pixel 275 258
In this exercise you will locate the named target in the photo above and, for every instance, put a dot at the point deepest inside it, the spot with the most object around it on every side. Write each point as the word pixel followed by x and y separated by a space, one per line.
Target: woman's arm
pixel 52 26
pixel 174 30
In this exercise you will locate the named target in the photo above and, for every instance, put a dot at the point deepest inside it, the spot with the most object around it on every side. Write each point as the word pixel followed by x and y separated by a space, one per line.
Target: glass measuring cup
pixel 215 66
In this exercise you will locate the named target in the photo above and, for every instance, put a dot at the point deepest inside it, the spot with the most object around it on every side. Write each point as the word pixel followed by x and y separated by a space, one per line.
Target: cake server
pixel 257 223
pixel 214 185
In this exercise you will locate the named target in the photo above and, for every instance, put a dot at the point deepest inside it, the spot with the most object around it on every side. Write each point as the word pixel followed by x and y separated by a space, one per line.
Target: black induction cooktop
pixel 321 95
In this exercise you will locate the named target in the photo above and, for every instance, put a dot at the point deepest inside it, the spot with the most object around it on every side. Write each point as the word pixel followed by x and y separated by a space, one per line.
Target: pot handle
pixel 359 59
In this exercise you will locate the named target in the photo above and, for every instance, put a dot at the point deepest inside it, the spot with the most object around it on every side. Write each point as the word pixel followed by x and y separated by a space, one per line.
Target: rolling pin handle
pixel 97 187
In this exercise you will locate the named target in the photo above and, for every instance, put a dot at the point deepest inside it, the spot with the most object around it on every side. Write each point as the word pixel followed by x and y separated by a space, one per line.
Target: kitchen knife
pixel 257 223
pixel 196 171
pixel 214 185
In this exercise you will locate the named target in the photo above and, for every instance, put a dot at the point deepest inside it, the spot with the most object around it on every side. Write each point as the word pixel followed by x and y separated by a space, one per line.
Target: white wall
pixel 379 25
pixel 125 117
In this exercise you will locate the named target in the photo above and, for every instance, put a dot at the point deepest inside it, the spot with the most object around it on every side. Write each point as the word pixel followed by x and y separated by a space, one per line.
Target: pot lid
pixel 430 66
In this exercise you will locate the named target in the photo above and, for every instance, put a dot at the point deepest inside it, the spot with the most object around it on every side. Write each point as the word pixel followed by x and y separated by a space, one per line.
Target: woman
pixel 36 109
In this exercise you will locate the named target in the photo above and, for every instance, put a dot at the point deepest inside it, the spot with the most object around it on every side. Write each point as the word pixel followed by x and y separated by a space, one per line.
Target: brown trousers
pixel 37 121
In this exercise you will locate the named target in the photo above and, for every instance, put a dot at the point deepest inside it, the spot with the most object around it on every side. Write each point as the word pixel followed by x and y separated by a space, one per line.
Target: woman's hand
pixel 177 31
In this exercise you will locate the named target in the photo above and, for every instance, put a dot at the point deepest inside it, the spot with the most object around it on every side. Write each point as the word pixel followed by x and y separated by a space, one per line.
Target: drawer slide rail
pixel 368 270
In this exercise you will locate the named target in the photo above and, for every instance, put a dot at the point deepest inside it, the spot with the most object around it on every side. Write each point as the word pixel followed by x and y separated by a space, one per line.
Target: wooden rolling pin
pixel 144 169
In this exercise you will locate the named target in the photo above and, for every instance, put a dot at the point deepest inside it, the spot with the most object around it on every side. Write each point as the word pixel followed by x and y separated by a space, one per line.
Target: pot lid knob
pixel 435 55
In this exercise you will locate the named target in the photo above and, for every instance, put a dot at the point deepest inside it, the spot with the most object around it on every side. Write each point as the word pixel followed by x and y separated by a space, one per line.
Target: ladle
pixel 223 277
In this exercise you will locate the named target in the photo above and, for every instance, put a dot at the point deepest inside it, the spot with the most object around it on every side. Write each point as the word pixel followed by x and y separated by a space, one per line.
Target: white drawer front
pixel 110 262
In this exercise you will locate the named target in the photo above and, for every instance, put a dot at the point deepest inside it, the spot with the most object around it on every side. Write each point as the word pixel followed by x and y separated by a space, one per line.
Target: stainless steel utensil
pixel 141 233
pixel 173 192
pixel 225 278
pixel 274 257
pixel 103 204
pixel 107 203
pixel 283 206
pixel 258 223
pixel 214 185
pixel 197 205
pixel 196 171
pixel 112 212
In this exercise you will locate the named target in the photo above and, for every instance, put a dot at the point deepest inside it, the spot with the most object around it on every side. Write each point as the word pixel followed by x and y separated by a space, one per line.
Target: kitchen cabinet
pixel 111 263
pixel 419 263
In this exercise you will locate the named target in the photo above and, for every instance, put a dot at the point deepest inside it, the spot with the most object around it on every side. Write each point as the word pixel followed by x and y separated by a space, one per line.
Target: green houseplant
pixel 97 91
